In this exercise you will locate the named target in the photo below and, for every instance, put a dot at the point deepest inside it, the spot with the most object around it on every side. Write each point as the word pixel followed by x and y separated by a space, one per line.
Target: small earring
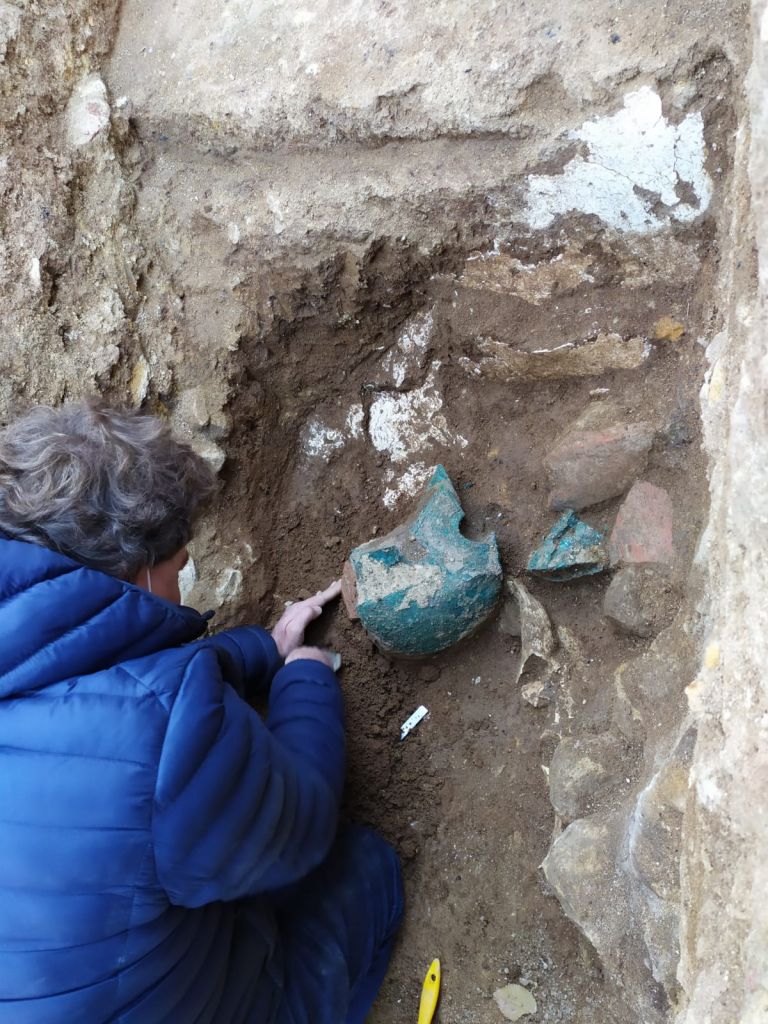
pixel 149 580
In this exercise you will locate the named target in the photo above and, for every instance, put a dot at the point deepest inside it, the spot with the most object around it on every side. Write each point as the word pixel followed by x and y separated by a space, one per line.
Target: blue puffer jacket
pixel 141 797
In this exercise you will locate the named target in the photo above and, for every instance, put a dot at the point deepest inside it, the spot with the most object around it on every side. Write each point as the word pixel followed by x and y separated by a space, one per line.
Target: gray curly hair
pixel 110 488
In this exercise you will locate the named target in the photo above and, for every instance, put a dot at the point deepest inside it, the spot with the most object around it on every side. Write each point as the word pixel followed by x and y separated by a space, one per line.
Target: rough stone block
pixel 652 686
pixel 642 533
pixel 424 586
pixel 592 356
pixel 88 111
pixel 539 694
pixel 586 869
pixel 582 770
pixel 654 839
pixel 581 868
pixel 590 466
pixel 641 599
pixel 536 637
pixel 626 719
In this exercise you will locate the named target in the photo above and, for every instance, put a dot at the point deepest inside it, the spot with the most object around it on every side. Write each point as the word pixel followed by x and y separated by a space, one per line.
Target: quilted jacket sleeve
pixel 248 656
pixel 243 806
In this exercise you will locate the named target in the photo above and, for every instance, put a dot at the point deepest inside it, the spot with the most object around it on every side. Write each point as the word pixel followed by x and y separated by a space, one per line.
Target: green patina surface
pixel 570 549
pixel 425 586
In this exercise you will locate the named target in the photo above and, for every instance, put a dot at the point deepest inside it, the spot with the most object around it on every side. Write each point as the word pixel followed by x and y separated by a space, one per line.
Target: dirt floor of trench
pixel 464 798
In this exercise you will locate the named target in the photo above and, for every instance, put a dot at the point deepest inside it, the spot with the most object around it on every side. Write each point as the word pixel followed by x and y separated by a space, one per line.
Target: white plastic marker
pixel 413 721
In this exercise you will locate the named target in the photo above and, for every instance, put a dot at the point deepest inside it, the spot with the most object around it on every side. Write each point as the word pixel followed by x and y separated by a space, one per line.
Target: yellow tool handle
pixel 430 992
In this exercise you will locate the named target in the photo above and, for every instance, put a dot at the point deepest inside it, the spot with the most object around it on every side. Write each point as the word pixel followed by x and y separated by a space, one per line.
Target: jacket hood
pixel 60 619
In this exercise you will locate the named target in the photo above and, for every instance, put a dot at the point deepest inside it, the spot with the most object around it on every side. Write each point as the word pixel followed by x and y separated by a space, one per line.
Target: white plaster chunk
pixel 354 421
pixel 419 583
pixel 407 483
pixel 321 441
pixel 87 111
pixel 187 580
pixel 636 148
pixel 403 424
pixel 230 585
pixel 408 354
pixel 35 275
pixel 213 453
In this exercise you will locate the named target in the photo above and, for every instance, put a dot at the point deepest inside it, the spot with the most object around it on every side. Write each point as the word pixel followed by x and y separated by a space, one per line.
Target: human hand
pixel 311 654
pixel 288 633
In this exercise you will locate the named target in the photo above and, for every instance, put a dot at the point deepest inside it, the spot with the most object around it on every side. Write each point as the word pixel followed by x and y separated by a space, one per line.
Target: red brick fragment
pixel 642 533
pixel 349 590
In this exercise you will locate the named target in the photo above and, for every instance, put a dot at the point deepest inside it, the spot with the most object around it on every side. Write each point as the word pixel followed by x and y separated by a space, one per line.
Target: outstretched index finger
pixel 324 596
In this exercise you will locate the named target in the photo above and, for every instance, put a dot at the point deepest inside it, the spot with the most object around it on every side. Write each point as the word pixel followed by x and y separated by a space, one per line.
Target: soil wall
pixel 338 244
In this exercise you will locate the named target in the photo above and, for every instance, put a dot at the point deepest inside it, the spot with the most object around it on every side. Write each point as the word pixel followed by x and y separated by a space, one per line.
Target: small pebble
pixel 514 1001
pixel 538 694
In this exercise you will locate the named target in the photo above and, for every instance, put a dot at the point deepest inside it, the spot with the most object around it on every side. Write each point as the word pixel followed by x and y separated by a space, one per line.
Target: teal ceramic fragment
pixel 425 586
pixel 570 549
